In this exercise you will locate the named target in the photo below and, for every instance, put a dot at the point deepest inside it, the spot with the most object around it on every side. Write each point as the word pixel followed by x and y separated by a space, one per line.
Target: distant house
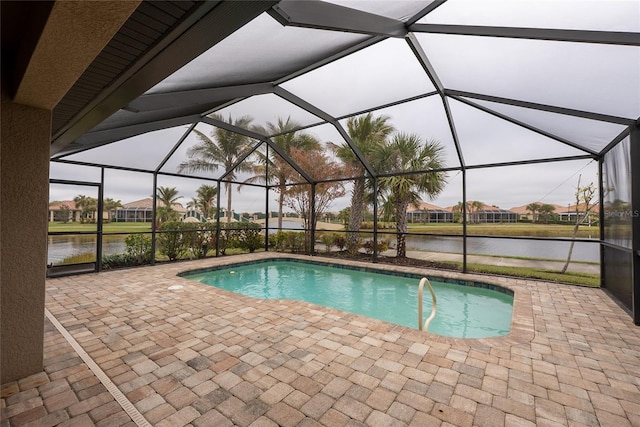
pixel 493 214
pixel 427 213
pixel 571 212
pixel 525 214
pixel 64 211
pixel 564 213
pixel 68 208
pixel 485 213
pixel 142 211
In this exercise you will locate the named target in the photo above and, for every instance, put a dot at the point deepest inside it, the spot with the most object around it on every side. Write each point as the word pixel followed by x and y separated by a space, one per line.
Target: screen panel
pixel 618 212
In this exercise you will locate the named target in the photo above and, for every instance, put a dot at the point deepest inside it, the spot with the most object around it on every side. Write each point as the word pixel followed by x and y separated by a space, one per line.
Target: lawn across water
pixel 108 227
pixel 510 229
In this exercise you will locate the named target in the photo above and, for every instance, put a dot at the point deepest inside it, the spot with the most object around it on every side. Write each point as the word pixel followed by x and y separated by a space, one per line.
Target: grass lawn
pixel 584 279
pixel 108 227
pixel 513 229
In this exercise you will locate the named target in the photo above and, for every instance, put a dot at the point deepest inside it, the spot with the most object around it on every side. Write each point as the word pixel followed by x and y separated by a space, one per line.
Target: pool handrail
pixel 433 306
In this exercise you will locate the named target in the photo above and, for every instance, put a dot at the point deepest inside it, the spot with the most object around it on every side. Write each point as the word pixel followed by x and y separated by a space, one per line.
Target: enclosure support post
pixel 153 218
pixel 635 217
pixel 266 203
pixel 601 218
pixel 464 220
pixel 312 220
pixel 100 222
pixel 218 221
pixel 375 219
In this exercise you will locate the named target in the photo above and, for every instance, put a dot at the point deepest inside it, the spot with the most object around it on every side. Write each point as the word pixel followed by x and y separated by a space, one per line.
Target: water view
pixel 61 247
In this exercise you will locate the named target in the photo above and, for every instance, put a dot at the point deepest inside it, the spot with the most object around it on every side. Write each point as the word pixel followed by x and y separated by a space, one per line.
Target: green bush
pixel 295 241
pixel 327 240
pixel 368 225
pixel 292 241
pixel 170 240
pixel 339 241
pixel 138 248
pixel 382 246
pixel 279 240
pixel 229 235
pixel 249 236
pixel 198 237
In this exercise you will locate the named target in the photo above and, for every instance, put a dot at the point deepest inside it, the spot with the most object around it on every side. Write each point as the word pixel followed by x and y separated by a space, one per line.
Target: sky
pixel 590 77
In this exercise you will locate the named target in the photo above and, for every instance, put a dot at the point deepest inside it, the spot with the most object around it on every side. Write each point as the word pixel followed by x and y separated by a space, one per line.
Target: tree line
pixel 88 206
pixel 410 166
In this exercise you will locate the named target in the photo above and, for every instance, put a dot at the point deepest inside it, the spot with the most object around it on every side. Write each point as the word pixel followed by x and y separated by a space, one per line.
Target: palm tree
pixel 286 138
pixel 405 154
pixel 367 133
pixel 205 199
pixel 476 206
pixel 110 205
pixel 168 196
pixel 533 208
pixel 86 204
pixel 224 150
pixel 457 211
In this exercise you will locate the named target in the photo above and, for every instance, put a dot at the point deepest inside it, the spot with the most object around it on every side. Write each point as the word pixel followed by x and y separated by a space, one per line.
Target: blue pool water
pixel 462 311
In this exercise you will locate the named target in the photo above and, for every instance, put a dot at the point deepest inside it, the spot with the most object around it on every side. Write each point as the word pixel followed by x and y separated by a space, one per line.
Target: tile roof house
pixel 58 210
pixel 142 210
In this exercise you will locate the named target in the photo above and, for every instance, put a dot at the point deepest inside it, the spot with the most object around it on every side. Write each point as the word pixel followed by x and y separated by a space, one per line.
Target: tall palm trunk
pixel 228 188
pixel 356 216
pixel 401 227
pixel 282 182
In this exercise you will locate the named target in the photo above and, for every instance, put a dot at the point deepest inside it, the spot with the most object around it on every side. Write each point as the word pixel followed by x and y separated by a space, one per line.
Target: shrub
pixel 339 241
pixel 279 240
pixel 198 238
pixel 249 237
pixel 228 236
pixel 382 246
pixel 170 240
pixel 138 248
pixel 382 225
pixel 294 241
pixel 288 241
pixel 327 240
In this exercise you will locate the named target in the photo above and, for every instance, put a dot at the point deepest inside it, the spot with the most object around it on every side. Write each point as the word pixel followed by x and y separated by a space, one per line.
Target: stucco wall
pixel 24 183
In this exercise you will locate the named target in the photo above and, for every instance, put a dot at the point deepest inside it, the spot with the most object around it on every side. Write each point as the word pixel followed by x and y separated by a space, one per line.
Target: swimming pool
pixel 474 310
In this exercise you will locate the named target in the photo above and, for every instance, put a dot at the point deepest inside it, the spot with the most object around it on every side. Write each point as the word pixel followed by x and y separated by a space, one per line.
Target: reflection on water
pixel 546 249
pixel 61 247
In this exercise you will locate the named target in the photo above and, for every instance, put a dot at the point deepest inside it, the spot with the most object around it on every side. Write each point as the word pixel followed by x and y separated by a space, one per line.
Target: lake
pixel 61 247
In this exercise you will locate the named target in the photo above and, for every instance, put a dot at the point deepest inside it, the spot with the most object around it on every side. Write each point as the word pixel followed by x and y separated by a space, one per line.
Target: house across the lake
pixel 428 213
pixel 142 211
pixel 64 211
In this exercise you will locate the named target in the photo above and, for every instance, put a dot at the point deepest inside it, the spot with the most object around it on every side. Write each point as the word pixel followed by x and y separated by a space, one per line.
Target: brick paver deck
pixel 201 356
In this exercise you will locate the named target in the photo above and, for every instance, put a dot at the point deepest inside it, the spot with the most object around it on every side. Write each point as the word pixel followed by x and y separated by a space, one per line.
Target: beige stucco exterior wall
pixel 24 183
pixel 74 33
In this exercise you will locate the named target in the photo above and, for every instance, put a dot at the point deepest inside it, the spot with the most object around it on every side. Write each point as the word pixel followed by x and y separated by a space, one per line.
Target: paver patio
pixel 202 356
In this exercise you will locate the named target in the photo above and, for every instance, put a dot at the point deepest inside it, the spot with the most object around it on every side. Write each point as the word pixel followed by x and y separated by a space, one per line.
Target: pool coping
pixel 522 321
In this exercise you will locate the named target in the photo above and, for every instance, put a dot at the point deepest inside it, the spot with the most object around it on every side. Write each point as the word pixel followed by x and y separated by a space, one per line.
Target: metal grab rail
pixel 433 307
